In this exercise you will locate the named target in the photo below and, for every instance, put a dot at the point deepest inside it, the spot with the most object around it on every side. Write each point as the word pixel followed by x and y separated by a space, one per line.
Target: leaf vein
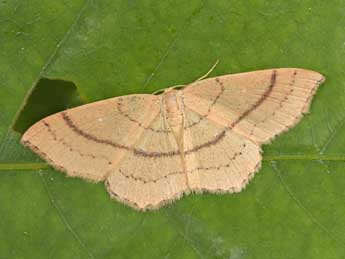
pixel 171 45
pixel 50 59
pixel 300 204
pixel 64 219
pixel 332 136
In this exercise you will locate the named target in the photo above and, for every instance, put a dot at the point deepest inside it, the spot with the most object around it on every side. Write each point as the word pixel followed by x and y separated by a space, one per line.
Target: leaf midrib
pixel 308 157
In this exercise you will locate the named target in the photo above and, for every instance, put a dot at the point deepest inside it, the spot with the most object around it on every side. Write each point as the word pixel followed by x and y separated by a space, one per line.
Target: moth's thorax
pixel 173 108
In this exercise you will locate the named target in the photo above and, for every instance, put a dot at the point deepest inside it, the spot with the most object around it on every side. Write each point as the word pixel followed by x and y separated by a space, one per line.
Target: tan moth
pixel 151 149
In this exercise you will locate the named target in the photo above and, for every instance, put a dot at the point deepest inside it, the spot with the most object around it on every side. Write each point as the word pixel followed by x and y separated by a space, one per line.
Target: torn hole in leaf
pixel 48 97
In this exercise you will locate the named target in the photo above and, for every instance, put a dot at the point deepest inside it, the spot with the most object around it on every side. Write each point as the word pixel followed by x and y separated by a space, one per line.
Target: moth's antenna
pixel 159 91
pixel 181 86
pixel 209 72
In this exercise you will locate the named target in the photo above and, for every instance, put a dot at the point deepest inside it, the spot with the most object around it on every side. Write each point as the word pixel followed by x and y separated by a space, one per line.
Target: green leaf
pixel 294 207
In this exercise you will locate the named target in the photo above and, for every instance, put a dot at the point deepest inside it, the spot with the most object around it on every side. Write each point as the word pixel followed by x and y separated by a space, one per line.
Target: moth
pixel 151 149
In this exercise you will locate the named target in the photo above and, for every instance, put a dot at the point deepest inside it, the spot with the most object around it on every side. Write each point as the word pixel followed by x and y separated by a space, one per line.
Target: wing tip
pixel 320 78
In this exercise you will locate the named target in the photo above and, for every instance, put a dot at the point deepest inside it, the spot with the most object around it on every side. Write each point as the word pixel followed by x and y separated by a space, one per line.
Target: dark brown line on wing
pixel 69 146
pixel 119 108
pixel 209 143
pixel 80 132
pixel 234 157
pixel 280 106
pixel 201 118
pixel 258 102
pixel 139 152
pixel 286 95
pixel 145 181
pixel 155 154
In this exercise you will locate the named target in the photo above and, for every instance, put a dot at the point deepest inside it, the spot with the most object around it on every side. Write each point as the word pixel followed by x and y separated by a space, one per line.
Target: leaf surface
pixel 293 208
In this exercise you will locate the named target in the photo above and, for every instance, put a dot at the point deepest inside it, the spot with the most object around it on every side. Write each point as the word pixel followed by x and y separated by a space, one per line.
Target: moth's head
pixel 174 88
pixel 169 90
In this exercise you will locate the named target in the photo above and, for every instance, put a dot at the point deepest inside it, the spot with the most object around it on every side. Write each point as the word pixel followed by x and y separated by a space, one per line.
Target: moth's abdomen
pixel 173 109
